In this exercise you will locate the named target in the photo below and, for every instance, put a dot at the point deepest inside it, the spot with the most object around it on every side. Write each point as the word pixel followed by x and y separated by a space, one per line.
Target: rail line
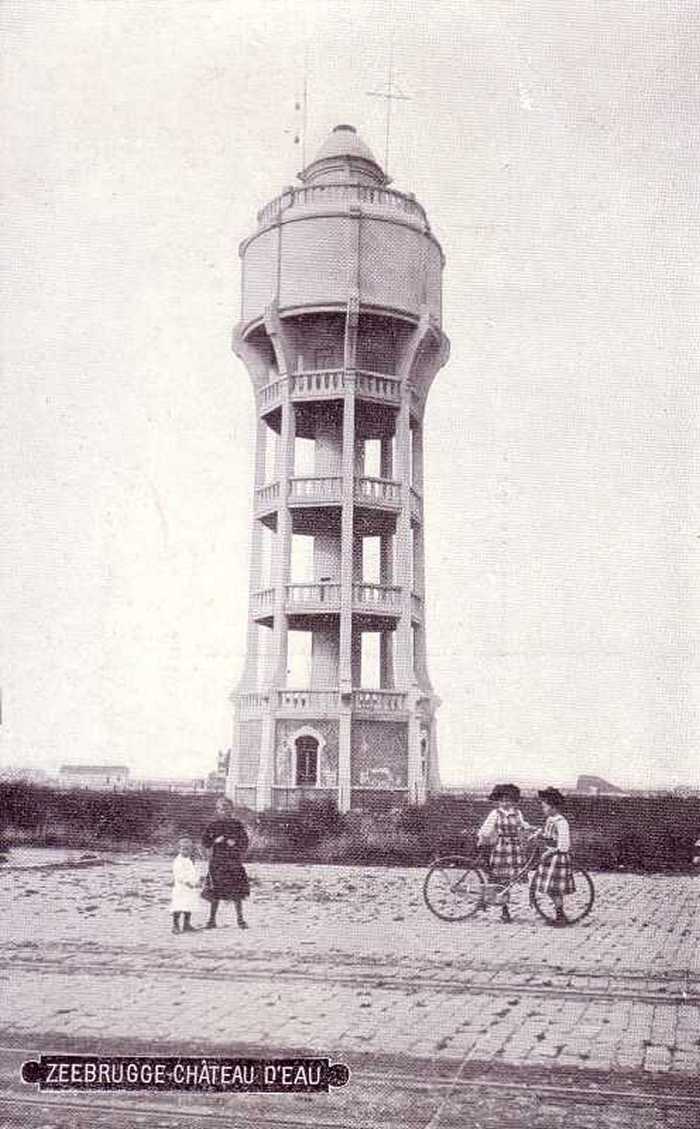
pixel 452 985
pixel 351 960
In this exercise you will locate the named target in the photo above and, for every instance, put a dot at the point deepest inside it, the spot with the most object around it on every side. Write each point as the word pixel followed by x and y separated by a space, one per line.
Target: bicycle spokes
pixel 576 904
pixel 453 889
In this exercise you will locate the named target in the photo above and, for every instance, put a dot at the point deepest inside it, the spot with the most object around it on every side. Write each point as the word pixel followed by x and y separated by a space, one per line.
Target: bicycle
pixel 456 888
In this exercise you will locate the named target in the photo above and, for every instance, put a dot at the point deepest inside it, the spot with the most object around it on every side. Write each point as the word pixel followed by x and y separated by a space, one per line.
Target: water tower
pixel 340 331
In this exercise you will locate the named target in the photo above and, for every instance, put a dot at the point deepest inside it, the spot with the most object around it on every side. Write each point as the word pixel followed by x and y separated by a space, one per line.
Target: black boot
pixel 176 923
pixel 505 915
pixel 187 926
pixel 213 907
pixel 560 920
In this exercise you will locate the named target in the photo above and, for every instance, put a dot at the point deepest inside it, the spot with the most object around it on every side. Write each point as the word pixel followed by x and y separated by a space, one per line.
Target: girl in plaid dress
pixel 502 831
pixel 555 875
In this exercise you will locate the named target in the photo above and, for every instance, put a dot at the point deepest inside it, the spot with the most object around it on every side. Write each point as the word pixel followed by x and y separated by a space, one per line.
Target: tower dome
pixel 344 155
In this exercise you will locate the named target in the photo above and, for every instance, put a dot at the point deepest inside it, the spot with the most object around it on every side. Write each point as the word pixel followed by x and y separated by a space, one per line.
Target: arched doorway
pixel 306 760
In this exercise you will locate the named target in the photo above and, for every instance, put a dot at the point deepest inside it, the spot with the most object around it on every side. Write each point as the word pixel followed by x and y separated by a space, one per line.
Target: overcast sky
pixel 555 147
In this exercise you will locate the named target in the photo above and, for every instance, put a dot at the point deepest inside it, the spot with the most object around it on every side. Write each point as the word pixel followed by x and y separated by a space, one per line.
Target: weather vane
pixel 393 93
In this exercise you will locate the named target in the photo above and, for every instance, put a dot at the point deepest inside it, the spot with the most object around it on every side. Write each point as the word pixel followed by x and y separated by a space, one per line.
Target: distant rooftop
pixel 92 769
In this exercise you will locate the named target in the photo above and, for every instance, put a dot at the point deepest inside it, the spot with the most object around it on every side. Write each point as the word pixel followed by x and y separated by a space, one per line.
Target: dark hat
pixel 553 796
pixel 505 792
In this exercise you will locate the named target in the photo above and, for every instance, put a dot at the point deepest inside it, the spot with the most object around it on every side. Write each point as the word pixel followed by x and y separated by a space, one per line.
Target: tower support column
pixel 404 544
pixel 416 785
pixel 249 679
pixel 421 661
pixel 345 664
pixel 276 676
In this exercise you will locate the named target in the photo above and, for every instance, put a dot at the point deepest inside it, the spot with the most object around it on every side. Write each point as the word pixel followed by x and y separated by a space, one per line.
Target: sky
pixel 554 146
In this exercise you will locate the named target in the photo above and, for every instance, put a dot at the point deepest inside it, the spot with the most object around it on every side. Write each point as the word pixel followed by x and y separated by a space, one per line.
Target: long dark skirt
pixel 226 880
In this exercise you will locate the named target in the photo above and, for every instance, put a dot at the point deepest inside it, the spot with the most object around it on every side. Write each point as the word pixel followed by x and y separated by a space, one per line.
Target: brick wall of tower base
pixel 379 756
pixel 380 776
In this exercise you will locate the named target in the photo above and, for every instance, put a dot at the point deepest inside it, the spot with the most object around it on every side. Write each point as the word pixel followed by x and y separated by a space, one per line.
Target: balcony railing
pixel 324 596
pixel 313 490
pixel 267 497
pixel 340 195
pixel 377 597
pixel 329 384
pixel 270 394
pixel 314 702
pixel 376 386
pixel 307 701
pixel 317 385
pixel 378 492
pixel 251 704
pixel 310 490
pixel 321 596
pixel 378 701
pixel 263 602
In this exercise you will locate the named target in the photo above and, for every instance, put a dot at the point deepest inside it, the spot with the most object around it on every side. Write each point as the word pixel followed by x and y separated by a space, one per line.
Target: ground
pixel 471 1024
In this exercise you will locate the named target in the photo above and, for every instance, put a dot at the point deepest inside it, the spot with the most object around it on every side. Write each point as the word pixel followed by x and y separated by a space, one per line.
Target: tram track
pixel 345 959
pixel 681 993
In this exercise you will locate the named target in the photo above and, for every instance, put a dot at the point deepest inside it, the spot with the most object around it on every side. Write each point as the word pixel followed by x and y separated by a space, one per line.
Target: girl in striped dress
pixel 555 875
pixel 502 831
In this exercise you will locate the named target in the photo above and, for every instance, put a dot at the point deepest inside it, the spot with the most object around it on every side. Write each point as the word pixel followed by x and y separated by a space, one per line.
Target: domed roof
pixel 343 149
pixel 345 142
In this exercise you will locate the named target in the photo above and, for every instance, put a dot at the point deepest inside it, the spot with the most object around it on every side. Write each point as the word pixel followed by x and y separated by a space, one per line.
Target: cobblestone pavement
pixel 349 962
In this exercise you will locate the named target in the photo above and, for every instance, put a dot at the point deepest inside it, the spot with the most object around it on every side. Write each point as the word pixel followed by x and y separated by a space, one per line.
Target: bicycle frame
pixel 504 888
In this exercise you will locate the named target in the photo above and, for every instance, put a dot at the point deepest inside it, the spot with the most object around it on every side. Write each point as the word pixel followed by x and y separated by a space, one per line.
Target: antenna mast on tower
pixel 304 104
pixel 393 93
pixel 301 104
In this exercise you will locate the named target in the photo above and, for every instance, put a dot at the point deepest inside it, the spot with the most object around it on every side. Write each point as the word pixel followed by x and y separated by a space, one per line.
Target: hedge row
pixel 646 833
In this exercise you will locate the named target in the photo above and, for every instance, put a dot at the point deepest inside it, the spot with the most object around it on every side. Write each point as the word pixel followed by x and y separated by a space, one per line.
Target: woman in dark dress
pixel 226 839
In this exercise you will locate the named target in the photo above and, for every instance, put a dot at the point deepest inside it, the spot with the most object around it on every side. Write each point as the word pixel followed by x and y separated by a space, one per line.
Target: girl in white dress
pixel 185 897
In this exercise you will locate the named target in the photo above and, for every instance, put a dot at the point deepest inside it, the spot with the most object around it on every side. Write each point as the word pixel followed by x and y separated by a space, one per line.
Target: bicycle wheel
pixel 454 888
pixel 576 906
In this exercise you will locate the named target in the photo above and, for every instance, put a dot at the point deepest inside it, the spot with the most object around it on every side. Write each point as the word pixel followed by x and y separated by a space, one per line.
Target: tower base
pixel 379 753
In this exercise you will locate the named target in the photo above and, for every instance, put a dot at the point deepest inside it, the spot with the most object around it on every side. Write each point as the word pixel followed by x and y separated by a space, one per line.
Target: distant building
pixel 16 773
pixel 184 784
pixel 596 786
pixel 100 777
